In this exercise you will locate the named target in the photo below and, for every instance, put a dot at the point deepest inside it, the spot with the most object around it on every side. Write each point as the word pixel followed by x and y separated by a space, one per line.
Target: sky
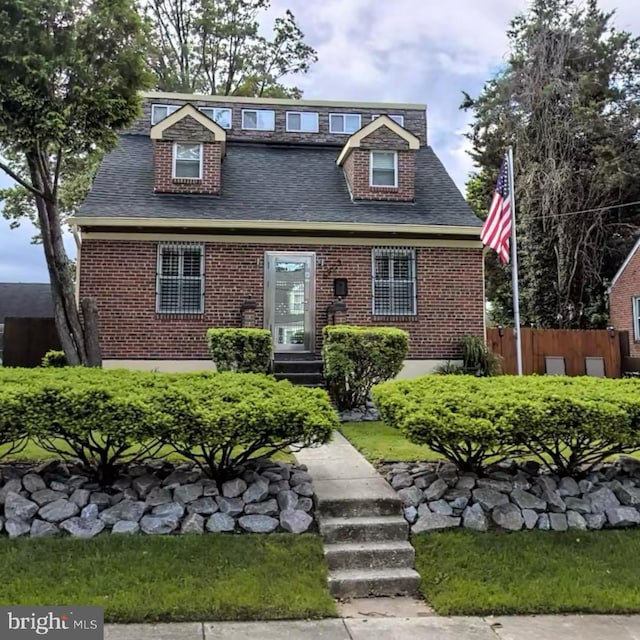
pixel 402 51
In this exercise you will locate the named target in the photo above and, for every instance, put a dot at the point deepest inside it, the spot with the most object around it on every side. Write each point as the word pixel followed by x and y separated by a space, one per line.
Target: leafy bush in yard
pixel 222 420
pixel 241 350
pixel 357 358
pixel 569 424
pixel 54 358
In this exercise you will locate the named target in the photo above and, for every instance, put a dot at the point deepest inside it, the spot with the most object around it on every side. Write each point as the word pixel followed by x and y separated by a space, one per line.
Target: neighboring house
pixel 227 211
pixel 624 299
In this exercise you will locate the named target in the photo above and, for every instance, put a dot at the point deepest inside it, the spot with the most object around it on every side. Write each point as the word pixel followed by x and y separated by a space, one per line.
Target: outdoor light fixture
pixel 611 330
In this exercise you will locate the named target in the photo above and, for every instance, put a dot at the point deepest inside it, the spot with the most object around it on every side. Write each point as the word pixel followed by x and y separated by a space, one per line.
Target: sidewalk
pixel 426 628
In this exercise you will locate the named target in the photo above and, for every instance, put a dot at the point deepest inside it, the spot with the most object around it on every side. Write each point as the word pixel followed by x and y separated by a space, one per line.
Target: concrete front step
pixel 360 583
pixel 369 555
pixel 368 529
pixel 357 507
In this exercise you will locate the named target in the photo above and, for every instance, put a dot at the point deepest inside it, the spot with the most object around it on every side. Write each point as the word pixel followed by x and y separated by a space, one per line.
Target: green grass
pixel 175 578
pixel 378 442
pixel 468 573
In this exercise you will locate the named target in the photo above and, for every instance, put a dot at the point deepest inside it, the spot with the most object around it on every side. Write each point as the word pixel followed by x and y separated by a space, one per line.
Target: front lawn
pixel 378 442
pixel 467 573
pixel 176 578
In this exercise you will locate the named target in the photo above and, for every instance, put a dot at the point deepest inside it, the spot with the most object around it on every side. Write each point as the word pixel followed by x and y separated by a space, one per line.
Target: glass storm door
pixel 290 300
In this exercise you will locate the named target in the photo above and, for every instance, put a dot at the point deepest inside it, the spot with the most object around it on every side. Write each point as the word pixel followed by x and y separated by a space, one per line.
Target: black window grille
pixel 394 281
pixel 180 279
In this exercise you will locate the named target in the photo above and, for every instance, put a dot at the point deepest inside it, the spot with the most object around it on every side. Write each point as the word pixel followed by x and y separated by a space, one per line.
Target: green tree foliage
pixel 215 47
pixel 568 101
pixel 70 72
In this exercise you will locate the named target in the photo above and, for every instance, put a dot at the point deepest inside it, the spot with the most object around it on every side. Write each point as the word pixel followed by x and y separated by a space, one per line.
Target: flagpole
pixel 514 265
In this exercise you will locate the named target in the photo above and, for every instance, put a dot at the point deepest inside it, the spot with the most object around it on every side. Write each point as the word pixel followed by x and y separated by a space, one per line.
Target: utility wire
pixel 575 213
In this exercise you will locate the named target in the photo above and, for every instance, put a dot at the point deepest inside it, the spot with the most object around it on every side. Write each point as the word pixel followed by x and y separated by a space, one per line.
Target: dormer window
pixel 383 169
pixel 344 122
pixel 187 161
pixel 219 115
pixel 396 118
pixel 161 111
pixel 302 121
pixel 259 119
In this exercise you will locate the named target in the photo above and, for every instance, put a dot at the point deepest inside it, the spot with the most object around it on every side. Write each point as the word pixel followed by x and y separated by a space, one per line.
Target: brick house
pixel 624 299
pixel 219 211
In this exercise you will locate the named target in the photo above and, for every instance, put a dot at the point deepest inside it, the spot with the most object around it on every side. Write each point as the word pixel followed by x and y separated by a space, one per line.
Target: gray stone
pixel 125 510
pixel 77 482
pixel 128 527
pixel 193 523
pixel 11 486
pixel 122 483
pixel 554 502
pixel 117 497
pixel 46 495
pixel 433 522
pixel 489 498
pixel 595 521
pixel 178 477
pixel 305 504
pixel 298 477
pixel 287 500
pixel 258 491
pixel 628 496
pixel 203 506
pixel 436 490
pixel 230 506
pixel 90 512
pixel 276 487
pixel 411 514
pixel 602 500
pixel 623 516
pixel 234 488
pixel 209 488
pixel 304 489
pixel 576 521
pixel 466 483
pixel 454 494
pixel 42 529
pixel 530 467
pixel 530 518
pixel 173 510
pixel 63 487
pixel 568 487
pixel 58 510
pixel 585 486
pixel 131 494
pixel 423 509
pixel 187 493
pixel 522 481
pixel 267 508
pixel 578 504
pixel 258 524
pixel 459 503
pixel 543 522
pixel 502 486
pixel 159 524
pixel 17 528
pixel 144 484
pixel 158 495
pixel 411 496
pixel 527 500
pixel 80 497
pixel 628 464
pixel 441 506
pixel 294 521
pixel 219 522
pixel 558 521
pixel 82 528
pixel 32 482
pixel 18 508
pixel 103 500
pixel 547 483
pixel 423 481
pixel 508 516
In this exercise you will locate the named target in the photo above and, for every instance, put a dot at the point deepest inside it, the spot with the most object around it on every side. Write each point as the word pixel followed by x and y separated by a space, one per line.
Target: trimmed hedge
pixel 240 350
pixel 357 358
pixel 569 424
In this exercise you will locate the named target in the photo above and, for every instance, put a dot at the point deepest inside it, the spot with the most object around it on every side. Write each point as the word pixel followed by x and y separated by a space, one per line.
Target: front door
pixel 290 299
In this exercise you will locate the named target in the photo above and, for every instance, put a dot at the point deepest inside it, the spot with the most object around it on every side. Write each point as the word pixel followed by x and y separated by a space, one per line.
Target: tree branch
pixel 20 180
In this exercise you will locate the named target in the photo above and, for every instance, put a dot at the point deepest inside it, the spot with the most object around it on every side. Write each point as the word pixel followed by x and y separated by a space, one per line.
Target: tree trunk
pixel 91 332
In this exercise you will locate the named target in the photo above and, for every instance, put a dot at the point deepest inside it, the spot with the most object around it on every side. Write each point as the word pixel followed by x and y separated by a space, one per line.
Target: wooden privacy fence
pixel 26 340
pixel 572 345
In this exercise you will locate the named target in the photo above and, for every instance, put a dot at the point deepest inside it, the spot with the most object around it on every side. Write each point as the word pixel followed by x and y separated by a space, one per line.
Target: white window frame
pixel 179 278
pixel 215 111
pixel 171 108
pixel 395 170
pixel 175 160
pixel 395 117
pixel 635 314
pixel 301 113
pixel 344 116
pixel 382 251
pixel 257 128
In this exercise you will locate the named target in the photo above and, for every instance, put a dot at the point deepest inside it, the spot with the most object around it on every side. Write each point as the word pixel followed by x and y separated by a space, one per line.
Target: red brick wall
pixel 211 170
pixel 356 168
pixel 121 275
pixel 626 287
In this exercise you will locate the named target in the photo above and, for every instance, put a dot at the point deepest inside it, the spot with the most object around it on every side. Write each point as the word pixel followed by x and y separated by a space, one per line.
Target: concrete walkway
pixel 426 628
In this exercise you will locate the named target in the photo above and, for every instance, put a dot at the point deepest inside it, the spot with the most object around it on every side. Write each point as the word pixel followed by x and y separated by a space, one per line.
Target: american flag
pixel 496 230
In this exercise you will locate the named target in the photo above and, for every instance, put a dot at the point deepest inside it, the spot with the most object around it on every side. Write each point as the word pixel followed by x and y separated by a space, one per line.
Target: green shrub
pixel 54 358
pixel 357 358
pixel 222 420
pixel 477 359
pixel 240 350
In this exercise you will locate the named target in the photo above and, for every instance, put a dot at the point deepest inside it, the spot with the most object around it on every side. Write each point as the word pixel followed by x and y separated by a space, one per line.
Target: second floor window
pixel 221 116
pixel 161 111
pixel 396 118
pixel 383 169
pixel 259 119
pixel 344 122
pixel 304 121
pixel 187 160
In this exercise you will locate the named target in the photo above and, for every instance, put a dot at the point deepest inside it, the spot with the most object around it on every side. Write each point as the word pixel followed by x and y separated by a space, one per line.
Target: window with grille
pixel 394 281
pixel 383 169
pixel 187 160
pixel 180 279
pixel 636 317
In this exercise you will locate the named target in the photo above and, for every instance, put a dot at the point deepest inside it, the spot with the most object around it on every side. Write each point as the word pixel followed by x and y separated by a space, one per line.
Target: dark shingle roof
pixel 25 300
pixel 271 182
